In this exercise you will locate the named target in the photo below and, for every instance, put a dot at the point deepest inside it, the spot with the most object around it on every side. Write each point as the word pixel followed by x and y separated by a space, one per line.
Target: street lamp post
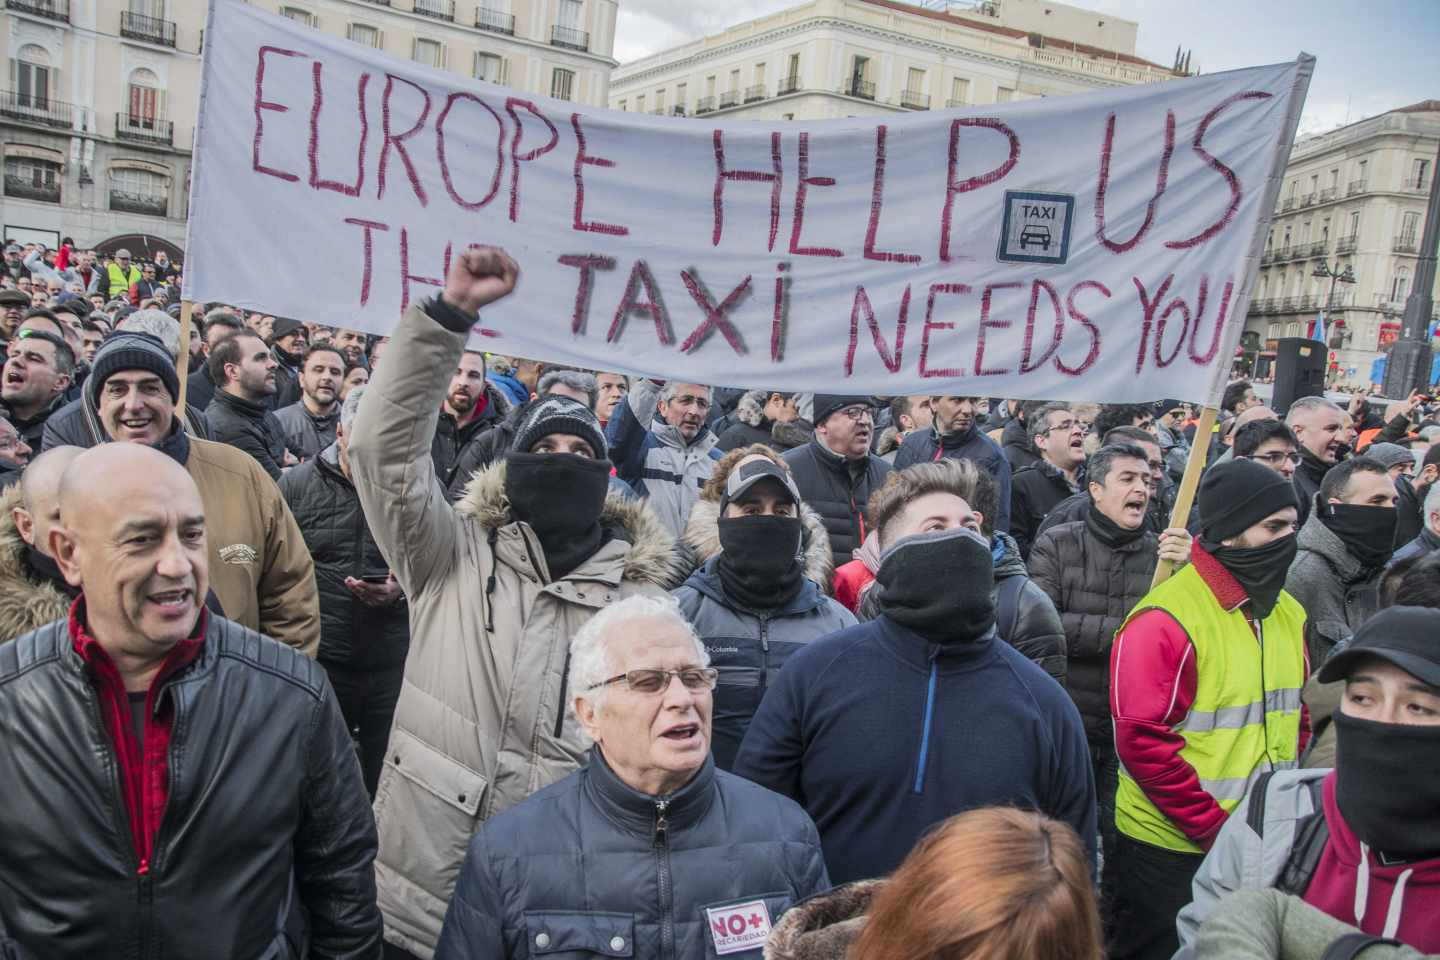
pixel 1323 270
pixel 1410 360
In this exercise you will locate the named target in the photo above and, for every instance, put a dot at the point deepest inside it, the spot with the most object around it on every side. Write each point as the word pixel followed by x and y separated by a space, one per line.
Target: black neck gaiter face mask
pixel 1367 532
pixel 1260 570
pixel 760 560
pixel 1109 532
pixel 939 585
pixel 561 496
pixel 1387 785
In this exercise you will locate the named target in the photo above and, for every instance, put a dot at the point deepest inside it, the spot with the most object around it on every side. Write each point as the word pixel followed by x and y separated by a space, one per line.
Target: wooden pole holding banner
pixel 1199 451
pixel 182 362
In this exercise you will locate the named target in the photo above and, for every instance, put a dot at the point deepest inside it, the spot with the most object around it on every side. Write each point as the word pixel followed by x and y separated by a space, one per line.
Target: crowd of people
pixel 314 643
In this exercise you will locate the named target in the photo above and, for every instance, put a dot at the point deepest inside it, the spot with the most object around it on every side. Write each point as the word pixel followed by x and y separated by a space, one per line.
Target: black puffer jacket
pixel 1024 616
pixel 651 868
pixel 1015 442
pixel 459 452
pixel 1094 587
pixel 248 426
pixel 306 434
pixel 1035 491
pixel 352 635
pixel 839 491
pixel 267 822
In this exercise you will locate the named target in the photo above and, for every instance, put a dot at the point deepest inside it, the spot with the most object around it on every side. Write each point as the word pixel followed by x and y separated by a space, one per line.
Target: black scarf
pixel 1109 532
pixel 760 560
pixel 1260 570
pixel 1387 785
pixel 939 585
pixel 46 568
pixel 1367 532
pixel 561 496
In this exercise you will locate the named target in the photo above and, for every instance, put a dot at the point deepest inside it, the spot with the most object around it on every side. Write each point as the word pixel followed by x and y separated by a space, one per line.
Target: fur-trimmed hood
pixel 702 537
pixel 751 407
pixel 824 926
pixel 25 603
pixel 653 557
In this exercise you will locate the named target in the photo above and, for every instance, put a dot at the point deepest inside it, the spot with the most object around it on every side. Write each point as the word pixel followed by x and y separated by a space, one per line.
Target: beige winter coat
pixel 26 601
pixel 481 722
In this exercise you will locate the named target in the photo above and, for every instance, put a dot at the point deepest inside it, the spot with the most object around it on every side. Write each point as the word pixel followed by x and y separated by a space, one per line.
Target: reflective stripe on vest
pixel 1246 716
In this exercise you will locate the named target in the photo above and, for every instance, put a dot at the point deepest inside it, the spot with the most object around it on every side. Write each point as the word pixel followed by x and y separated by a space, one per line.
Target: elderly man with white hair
pixel 649 850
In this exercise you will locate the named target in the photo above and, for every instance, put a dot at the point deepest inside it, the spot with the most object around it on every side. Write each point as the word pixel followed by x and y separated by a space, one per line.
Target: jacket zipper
pixel 764 654
pixel 357 613
pixel 925 730
pixel 560 708
pixel 662 868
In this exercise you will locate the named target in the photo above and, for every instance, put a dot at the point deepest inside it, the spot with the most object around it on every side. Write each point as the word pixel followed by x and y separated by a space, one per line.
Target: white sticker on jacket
pixel 740 927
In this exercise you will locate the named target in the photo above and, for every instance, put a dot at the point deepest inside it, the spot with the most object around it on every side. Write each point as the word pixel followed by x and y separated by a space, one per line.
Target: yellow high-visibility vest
pixel 1246 716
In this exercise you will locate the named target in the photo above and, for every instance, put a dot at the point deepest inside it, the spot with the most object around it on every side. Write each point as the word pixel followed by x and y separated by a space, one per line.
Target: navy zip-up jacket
pixel 880 735
pixel 923 446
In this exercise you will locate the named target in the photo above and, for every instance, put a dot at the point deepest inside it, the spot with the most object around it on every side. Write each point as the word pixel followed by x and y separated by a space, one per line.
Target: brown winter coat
pixel 825 926
pixel 25 602
pixel 481 723
pixel 260 568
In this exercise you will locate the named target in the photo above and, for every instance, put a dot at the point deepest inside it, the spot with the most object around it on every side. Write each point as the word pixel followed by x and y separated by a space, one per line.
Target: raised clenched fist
pixel 478 277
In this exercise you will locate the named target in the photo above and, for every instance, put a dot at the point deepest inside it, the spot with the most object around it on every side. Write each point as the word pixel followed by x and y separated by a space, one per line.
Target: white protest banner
pixel 1095 247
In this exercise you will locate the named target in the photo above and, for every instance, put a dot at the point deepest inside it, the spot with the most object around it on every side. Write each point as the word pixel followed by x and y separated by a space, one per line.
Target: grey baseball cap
pixel 750 472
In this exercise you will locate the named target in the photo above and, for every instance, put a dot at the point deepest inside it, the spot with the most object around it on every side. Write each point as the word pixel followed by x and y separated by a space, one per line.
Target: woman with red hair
pixel 991 884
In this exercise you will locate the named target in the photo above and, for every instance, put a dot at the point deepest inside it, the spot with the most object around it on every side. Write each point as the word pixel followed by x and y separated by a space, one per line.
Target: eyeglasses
pixel 1065 426
pixel 654 681
pixel 1156 465
pixel 1274 460
pixel 858 412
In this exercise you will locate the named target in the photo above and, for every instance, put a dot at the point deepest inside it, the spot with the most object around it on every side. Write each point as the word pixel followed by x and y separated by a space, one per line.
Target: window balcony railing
pixel 379 3
pixel 863 89
pixel 569 38
pixel 144 129
pixel 788 85
pixel 150 29
pixel 1259 307
pixel 1346 244
pixel 1308 200
pixel 1290 305
pixel 1417 186
pixel 150 204
pixel 25 188
pixel 495 21
pixel 915 100
pixel 33 109
pixel 678 110
pixel 730 98
pixel 1270 256
pixel 1311 302
pixel 1328 194
pixel 757 92
pixel 1287 204
pixel 1317 249
pixel 1356 186
pixel 704 105
pixel 1340 298
pixel 436 9
pixel 49 9
pixel 1406 243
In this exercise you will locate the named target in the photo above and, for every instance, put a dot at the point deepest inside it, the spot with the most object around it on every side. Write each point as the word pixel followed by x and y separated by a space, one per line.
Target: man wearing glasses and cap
pixel 836 472
pixel 681 859
pixel 1361 842
pixel 13 304
pixel 120 276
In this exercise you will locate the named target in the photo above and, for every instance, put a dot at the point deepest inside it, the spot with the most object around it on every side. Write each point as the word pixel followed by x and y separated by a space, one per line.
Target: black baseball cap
pixel 750 472
pixel 1408 637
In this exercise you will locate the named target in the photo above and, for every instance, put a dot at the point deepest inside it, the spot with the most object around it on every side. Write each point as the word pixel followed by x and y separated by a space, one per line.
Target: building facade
pixel 841 58
pixel 98 118
pixel 1353 200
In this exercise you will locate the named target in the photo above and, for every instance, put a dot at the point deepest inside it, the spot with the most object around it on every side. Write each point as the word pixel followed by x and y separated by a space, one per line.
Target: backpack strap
pixel 1352 945
pixel 1255 812
pixel 1312 833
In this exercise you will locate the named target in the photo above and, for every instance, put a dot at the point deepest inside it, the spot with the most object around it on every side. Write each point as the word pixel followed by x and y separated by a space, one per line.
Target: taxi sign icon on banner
pixel 1036 227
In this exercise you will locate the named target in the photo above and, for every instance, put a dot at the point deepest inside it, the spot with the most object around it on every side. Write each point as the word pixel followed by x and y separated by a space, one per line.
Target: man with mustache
pixel 170 740
pixel 665 461
pixel 244 368
pixel 956 435
pixel 309 425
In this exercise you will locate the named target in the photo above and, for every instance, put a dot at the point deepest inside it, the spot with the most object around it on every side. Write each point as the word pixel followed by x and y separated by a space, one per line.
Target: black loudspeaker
pixel 1299 371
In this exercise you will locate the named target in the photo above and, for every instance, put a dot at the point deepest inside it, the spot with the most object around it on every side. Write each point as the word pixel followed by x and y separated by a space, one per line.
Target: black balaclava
pixel 561 496
pixel 1368 532
pixel 939 585
pixel 760 563
pixel 1387 785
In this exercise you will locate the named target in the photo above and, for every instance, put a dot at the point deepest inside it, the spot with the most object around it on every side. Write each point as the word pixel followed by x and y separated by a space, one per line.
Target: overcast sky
pixel 1371 57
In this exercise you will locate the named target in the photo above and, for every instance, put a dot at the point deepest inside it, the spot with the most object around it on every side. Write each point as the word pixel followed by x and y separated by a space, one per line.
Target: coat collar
pixel 1319 539
pixel 636 812
pixel 1222 583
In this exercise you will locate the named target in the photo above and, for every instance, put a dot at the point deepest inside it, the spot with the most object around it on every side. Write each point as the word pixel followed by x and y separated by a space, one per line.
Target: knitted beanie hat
pixel 129 350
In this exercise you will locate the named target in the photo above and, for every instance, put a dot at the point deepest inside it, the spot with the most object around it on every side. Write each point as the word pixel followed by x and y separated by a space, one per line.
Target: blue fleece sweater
pixel 880 735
